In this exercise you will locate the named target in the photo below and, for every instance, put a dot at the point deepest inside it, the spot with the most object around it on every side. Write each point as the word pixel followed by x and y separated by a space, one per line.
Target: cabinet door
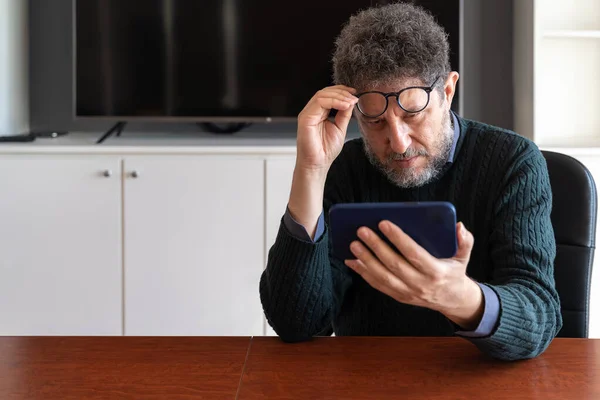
pixel 60 245
pixel 279 181
pixel 194 245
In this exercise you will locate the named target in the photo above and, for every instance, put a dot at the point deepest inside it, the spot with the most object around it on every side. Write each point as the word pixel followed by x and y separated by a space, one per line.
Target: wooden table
pixel 265 368
pixel 40 368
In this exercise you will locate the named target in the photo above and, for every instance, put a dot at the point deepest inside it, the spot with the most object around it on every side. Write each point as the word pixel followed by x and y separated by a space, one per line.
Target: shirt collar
pixel 456 126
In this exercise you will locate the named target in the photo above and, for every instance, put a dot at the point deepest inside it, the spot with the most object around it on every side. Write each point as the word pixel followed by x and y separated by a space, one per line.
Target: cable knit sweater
pixel 500 188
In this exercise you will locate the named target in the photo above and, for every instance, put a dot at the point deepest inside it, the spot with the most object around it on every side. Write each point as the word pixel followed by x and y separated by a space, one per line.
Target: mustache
pixel 409 153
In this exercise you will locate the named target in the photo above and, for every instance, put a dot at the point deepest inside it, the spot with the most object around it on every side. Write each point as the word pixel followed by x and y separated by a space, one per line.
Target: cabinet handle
pixel 134 174
pixel 107 173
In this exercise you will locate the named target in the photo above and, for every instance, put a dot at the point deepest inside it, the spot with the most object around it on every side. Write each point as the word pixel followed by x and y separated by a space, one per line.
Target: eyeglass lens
pixel 411 100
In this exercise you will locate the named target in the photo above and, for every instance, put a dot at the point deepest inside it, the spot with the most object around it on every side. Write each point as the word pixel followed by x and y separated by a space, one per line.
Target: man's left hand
pixel 416 277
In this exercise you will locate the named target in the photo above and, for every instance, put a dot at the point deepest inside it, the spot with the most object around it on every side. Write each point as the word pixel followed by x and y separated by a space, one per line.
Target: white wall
pixel 14 71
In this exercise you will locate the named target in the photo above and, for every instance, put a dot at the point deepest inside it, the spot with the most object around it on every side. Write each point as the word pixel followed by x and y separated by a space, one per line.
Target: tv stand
pixel 118 128
pixel 226 129
pixel 18 138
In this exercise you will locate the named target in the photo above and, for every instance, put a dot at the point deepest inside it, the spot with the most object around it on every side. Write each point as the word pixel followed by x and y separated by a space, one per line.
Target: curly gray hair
pixel 390 42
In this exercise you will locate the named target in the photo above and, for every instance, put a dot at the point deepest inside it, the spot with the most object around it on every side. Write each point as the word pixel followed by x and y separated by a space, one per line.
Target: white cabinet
pixel 279 171
pixel 137 243
pixel 194 245
pixel 60 245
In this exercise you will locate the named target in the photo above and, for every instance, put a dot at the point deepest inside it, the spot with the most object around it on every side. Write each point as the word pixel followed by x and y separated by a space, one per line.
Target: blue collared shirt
pixel 492 303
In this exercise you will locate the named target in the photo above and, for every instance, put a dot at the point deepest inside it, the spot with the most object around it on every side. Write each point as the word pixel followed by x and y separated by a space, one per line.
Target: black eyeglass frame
pixel 427 89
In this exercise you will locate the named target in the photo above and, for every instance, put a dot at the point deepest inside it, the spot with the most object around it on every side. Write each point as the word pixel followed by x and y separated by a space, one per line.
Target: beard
pixel 412 177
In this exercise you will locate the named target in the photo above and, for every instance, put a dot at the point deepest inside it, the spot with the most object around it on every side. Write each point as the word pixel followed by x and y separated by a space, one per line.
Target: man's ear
pixel 450 86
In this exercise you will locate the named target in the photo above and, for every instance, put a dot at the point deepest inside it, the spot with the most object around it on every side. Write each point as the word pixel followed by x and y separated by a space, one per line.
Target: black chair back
pixel 574 209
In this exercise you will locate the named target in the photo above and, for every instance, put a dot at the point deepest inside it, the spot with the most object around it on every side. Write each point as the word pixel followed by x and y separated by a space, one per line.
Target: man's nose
pixel 399 136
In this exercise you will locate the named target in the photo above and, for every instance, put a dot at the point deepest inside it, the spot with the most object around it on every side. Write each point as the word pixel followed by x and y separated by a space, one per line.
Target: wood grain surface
pixel 416 368
pixel 48 368
pixel 51 368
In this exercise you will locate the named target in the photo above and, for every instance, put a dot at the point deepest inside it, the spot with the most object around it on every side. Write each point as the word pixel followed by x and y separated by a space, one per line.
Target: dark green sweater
pixel 499 185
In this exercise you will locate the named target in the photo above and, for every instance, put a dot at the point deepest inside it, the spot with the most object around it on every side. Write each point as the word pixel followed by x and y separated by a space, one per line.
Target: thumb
pixel 342 118
pixel 465 243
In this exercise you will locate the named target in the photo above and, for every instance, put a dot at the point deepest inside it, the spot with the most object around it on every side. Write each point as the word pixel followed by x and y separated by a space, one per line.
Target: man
pixel 391 68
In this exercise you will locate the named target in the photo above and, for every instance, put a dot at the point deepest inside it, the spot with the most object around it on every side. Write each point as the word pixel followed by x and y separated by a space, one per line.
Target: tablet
pixel 431 224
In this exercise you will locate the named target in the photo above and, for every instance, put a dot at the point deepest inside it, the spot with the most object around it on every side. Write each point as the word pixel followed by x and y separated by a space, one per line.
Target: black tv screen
pixel 234 60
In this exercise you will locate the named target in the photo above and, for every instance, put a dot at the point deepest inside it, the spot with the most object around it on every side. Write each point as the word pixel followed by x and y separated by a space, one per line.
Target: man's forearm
pixel 529 319
pixel 306 198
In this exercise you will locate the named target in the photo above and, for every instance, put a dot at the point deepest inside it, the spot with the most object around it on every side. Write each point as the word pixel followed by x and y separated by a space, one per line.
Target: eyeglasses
pixel 411 99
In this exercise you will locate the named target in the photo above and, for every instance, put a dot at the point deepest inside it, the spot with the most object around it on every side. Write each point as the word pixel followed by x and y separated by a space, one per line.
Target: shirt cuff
pixel 490 314
pixel 299 231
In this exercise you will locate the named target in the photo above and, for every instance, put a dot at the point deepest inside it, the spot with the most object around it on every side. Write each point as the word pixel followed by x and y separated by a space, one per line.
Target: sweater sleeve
pixel 300 289
pixel 522 249
pixel 303 286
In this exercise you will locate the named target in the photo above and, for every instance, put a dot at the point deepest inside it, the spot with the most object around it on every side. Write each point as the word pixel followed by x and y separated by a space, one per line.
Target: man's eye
pixel 414 116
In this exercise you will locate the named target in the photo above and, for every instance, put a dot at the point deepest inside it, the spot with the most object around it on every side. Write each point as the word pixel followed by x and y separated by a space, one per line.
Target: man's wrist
pixel 314 175
pixel 468 312
pixel 306 198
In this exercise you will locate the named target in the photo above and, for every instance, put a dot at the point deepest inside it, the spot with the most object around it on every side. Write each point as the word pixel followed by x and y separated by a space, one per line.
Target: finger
pixel 342 88
pixel 416 255
pixel 342 118
pixel 315 102
pixel 317 110
pixel 376 271
pixel 344 95
pixel 388 256
pixel 329 103
pixel 381 280
pixel 336 94
pixel 465 243
pixel 339 97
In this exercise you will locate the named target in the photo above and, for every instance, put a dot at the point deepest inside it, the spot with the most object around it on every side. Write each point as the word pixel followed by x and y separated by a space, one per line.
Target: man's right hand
pixel 319 142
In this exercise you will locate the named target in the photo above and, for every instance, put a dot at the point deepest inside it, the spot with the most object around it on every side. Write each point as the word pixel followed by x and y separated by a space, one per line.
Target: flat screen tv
pixel 212 60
